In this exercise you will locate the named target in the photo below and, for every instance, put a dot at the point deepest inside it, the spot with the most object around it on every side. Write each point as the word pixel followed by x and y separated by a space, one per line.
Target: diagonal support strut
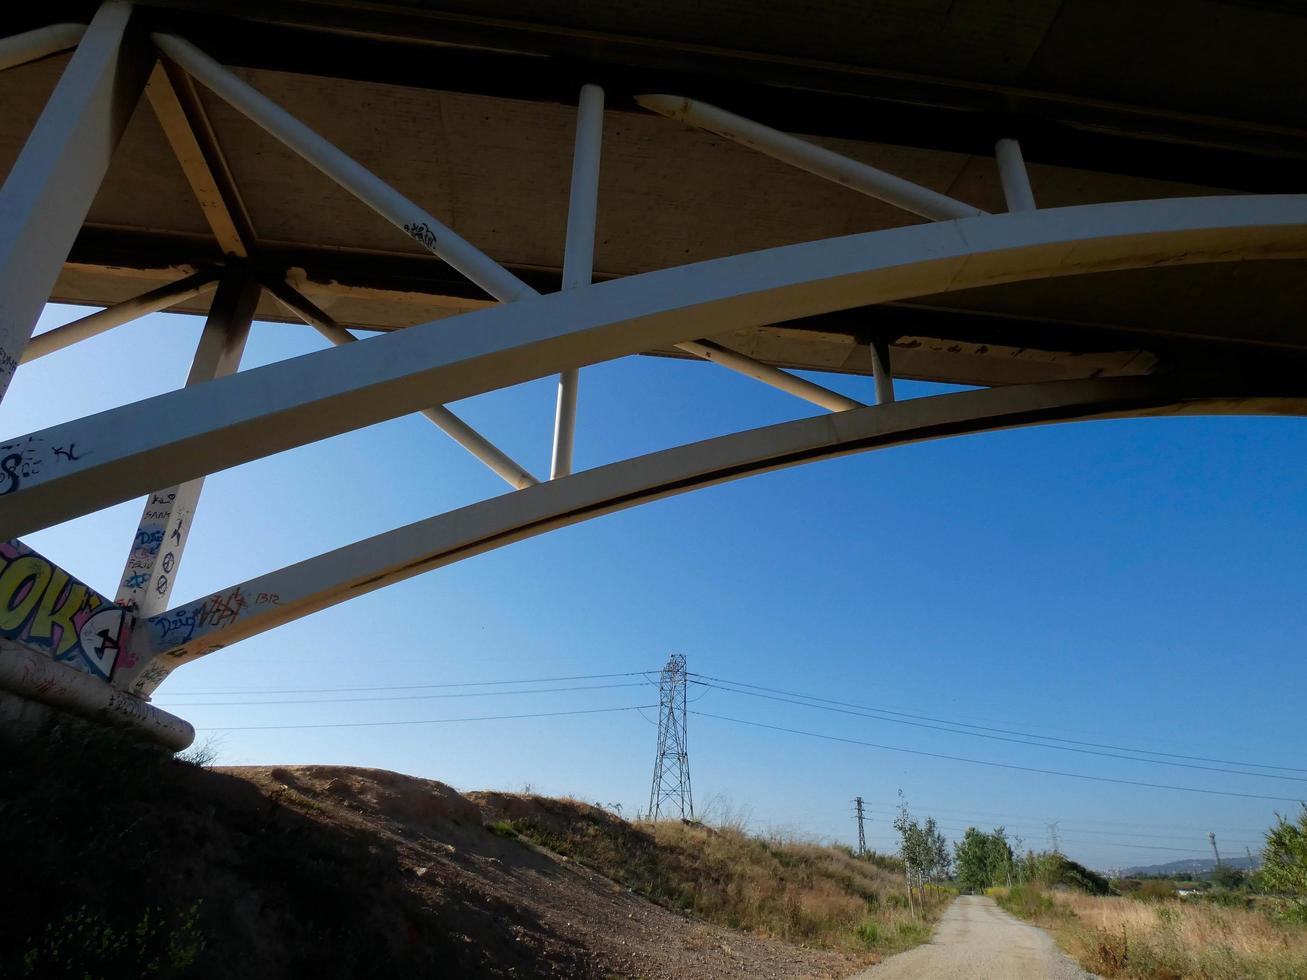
pixel 512 473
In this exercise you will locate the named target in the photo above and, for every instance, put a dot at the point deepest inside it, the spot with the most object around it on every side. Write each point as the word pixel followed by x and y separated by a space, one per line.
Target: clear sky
pixel 1132 583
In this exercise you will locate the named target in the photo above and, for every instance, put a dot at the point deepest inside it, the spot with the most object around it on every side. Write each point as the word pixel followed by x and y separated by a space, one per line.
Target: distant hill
pixel 1200 866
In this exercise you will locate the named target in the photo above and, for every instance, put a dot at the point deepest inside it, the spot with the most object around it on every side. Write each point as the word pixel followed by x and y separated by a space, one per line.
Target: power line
pixel 1027 828
pixel 954 829
pixel 417 687
pixel 1183 828
pixel 418 697
pixel 984 728
pixel 1001 765
pixel 1004 738
pixel 422 721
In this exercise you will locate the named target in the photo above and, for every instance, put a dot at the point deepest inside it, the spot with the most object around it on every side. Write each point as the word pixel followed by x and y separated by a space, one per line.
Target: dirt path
pixel 976 940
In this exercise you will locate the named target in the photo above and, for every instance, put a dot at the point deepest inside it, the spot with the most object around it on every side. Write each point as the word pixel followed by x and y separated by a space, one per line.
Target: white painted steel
pixel 346 171
pixel 128 310
pixel 790 384
pixel 815 159
pixel 273 408
pixel 50 187
pixel 38 678
pixel 190 631
pixel 1016 179
pixel 155 556
pixel 578 255
pixel 19 49
pixel 503 465
pixel 882 372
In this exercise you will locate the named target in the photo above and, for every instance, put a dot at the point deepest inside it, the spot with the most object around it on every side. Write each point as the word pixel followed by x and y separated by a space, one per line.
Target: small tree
pixel 941 861
pixel 1284 863
pixel 923 849
pixel 983 859
pixel 1227 876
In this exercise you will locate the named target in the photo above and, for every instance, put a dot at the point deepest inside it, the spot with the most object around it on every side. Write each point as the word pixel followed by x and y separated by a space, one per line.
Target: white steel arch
pixel 184 434
pixel 197 628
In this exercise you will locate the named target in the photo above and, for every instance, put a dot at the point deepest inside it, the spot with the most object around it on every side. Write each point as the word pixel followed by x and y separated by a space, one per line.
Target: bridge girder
pixel 77 467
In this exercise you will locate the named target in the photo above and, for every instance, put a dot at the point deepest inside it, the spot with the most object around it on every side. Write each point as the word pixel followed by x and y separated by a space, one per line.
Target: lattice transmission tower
pixel 671 776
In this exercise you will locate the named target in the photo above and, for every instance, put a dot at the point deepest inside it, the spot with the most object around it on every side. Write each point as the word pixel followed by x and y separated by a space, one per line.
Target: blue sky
pixel 1133 583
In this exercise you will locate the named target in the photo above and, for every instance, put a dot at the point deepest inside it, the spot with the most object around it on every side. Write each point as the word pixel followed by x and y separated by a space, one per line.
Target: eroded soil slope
pixel 122 863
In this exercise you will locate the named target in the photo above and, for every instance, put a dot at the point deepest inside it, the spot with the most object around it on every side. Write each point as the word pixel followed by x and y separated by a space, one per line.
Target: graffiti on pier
pixel 19 460
pixel 218 611
pixel 176 628
pixel 156 550
pixel 43 607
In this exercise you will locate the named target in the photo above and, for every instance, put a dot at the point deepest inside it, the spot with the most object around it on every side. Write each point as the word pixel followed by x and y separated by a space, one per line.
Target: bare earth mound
pixel 121 862
pixel 441 846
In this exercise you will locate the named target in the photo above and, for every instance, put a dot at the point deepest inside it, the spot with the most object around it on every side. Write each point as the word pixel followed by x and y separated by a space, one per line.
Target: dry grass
pixel 781 887
pixel 1122 937
pixel 794 890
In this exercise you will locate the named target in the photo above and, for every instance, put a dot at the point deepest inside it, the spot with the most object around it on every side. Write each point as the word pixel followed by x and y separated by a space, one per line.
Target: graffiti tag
pixel 422 234
pixel 43 607
pixel 18 461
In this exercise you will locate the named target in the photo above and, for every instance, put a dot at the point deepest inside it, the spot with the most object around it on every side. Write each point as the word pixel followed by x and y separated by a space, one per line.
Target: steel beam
pixel 19 49
pixel 273 408
pixel 511 472
pixel 815 159
pixel 128 310
pixel 52 183
pixel 190 631
pixel 156 553
pixel 346 171
pixel 1014 176
pixel 578 255
pixel 181 114
pixel 882 372
pixel 791 384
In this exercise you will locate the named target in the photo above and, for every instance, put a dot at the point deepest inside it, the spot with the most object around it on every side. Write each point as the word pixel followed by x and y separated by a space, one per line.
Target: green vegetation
pixel 983 860
pixel 1284 869
pixel 925 854
pixel 774 885
pixel 1051 869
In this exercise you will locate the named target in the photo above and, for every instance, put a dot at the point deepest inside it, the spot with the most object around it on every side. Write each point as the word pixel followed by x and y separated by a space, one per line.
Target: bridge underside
pixel 1079 238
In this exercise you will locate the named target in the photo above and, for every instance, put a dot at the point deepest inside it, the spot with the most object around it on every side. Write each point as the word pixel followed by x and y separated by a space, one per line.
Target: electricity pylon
pixel 671 776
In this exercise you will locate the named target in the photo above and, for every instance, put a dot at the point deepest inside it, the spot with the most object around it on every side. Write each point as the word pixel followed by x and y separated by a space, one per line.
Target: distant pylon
pixel 671 777
pixel 862 834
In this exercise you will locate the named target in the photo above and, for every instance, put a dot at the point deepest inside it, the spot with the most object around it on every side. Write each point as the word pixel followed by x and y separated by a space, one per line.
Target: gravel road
pixel 976 940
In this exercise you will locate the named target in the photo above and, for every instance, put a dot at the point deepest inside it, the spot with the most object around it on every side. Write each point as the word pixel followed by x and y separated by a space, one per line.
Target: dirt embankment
pixel 318 871
pixel 441 844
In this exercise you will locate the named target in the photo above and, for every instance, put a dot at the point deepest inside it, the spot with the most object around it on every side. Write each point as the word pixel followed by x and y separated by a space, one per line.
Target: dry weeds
pixel 1169 940
pixel 776 886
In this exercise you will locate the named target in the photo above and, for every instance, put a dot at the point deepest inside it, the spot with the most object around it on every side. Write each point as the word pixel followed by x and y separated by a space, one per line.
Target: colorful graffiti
pixel 43 607
pixel 156 551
